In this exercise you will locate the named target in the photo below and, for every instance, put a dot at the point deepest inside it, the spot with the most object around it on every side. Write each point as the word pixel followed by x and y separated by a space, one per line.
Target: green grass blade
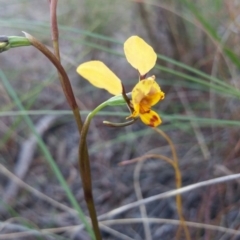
pixel 166 117
pixel 195 71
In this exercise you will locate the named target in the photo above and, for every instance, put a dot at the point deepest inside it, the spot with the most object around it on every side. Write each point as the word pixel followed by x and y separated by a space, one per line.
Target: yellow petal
pixel 139 54
pixel 151 118
pixel 148 92
pixel 100 76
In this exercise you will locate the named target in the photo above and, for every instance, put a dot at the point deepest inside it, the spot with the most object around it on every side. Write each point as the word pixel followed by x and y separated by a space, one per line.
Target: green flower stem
pixel 84 163
pixel 85 171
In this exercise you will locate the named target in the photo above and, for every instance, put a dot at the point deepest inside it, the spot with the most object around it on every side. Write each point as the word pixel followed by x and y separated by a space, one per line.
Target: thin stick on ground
pixel 142 207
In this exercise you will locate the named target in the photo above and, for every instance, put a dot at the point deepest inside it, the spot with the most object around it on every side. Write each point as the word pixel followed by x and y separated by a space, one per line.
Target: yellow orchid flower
pixel 145 94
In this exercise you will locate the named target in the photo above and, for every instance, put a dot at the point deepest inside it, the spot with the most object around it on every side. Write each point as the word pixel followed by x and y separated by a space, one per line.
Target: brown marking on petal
pixel 153 119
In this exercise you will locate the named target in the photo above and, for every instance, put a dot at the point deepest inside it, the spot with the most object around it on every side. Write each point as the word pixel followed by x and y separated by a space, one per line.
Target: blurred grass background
pixel 198 69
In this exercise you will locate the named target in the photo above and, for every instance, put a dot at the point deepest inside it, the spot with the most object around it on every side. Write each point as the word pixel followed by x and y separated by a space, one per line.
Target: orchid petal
pixel 151 118
pixel 147 90
pixel 139 54
pixel 99 75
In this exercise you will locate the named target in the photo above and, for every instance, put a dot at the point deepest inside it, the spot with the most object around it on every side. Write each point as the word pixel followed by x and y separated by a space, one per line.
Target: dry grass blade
pixel 138 192
pixel 174 222
pixel 109 223
pixel 168 194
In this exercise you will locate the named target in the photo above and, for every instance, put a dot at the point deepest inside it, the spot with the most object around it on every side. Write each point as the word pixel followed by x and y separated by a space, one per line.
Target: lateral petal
pixel 100 76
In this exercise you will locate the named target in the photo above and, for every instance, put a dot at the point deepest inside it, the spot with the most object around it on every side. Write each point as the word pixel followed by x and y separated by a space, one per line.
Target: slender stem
pixel 82 169
pixel 84 163
pixel 178 177
pixel 54 27
pixel 85 171
pixel 65 82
